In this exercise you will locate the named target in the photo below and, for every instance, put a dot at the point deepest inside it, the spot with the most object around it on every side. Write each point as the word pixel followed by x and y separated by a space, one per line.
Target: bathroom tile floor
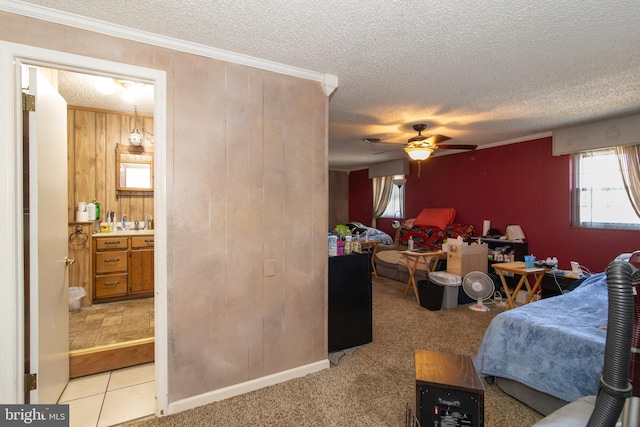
pixel 111 323
pixel 111 398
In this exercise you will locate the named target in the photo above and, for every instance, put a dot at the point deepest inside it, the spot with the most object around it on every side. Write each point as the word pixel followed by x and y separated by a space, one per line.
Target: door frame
pixel 12 56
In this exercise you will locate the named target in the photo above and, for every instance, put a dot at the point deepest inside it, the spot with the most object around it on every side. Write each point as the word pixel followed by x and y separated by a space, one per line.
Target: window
pixel 600 199
pixel 395 208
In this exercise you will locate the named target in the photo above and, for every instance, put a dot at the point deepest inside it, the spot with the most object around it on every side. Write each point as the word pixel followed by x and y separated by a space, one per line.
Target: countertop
pixel 125 233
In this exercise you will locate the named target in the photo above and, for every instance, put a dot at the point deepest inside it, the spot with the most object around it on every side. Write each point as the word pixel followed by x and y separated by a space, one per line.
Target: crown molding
pixel 329 82
pixel 516 140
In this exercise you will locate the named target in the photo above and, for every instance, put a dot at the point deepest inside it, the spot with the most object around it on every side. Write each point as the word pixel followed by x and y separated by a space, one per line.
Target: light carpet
pixel 368 385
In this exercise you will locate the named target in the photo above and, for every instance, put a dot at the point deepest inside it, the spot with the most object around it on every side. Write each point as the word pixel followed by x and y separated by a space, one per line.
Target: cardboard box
pixel 463 259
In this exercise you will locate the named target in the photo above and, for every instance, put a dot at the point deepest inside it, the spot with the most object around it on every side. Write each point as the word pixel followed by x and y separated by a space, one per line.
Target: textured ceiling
pixel 480 71
pixel 80 90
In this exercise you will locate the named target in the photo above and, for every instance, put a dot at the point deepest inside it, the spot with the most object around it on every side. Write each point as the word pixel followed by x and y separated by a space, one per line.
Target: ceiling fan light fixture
pixel 419 153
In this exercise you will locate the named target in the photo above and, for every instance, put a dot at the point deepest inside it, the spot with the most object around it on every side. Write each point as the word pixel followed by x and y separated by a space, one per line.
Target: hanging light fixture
pixel 135 137
pixel 418 152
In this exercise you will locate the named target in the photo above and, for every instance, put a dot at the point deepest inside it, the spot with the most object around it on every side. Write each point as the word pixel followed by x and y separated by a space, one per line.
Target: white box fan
pixel 479 286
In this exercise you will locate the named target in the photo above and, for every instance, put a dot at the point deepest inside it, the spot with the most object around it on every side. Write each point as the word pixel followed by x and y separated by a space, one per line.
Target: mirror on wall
pixel 134 168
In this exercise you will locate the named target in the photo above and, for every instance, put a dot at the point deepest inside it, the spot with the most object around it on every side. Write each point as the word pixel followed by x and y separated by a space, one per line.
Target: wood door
pixel 49 296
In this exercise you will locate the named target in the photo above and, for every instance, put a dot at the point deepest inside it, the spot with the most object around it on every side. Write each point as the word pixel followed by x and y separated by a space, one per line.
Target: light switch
pixel 269 267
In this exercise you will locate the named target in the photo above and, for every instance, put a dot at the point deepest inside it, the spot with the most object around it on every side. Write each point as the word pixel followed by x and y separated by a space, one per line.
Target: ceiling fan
pixel 420 147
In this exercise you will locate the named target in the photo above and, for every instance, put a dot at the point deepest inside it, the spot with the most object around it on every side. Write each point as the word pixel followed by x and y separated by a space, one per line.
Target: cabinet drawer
pixel 111 243
pixel 111 262
pixel 142 241
pixel 111 286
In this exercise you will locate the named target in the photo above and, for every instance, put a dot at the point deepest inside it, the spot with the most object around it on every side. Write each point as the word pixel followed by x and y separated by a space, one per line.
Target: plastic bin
pixel 76 294
pixel 430 294
pixel 451 287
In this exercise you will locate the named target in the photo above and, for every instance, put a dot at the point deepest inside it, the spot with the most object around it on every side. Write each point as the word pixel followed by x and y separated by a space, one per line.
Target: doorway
pixel 12 56
pixel 113 328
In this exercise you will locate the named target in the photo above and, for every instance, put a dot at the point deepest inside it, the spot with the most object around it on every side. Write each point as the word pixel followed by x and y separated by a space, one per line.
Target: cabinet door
pixel 141 272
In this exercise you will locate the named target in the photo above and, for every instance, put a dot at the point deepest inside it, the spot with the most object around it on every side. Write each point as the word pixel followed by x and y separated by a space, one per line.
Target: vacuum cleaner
pixel 618 400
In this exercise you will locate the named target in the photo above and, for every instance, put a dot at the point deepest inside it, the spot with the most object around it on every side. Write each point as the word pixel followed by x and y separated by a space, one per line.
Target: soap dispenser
pixel 124 222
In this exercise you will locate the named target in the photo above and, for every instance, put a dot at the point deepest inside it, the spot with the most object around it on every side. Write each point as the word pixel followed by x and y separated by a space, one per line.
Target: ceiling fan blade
pixel 417 138
pixel 388 151
pixel 437 139
pixel 457 146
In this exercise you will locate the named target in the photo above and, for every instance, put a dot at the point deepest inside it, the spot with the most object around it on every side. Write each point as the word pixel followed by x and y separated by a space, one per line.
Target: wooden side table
pixel 372 247
pixel 430 260
pixel 518 267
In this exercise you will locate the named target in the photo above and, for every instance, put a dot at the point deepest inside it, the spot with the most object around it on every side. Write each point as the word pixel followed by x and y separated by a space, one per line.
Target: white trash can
pixel 76 294
pixel 451 283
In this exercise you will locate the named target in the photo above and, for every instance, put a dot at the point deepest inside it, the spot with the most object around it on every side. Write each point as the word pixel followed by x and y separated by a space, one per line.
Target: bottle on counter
pixel 333 245
pixel 91 211
pixel 150 226
pixel 410 243
pixel 97 208
pixel 356 246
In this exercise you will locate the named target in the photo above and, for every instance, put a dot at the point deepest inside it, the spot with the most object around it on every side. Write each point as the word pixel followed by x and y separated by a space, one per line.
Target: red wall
pixel 519 184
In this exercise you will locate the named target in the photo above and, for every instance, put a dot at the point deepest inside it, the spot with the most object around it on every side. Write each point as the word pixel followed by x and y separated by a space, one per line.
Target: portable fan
pixel 479 286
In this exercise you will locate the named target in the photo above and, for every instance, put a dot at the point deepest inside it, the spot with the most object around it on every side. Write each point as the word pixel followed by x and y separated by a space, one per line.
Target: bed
pixel 549 352
pixel 374 235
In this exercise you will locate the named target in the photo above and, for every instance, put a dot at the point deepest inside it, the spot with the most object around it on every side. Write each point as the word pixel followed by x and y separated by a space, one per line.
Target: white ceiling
pixel 478 71
pixel 80 90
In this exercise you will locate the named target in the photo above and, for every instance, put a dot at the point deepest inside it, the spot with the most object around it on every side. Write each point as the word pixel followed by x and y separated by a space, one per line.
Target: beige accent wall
pixel 246 182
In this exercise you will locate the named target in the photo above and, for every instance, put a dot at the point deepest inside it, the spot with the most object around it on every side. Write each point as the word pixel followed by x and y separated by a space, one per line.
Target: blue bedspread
pixel 555 345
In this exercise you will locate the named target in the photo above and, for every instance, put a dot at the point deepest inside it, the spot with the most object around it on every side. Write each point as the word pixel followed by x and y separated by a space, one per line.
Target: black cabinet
pixel 517 248
pixel 349 311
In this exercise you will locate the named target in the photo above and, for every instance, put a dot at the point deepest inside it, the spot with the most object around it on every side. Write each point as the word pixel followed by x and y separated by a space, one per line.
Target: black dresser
pixel 350 315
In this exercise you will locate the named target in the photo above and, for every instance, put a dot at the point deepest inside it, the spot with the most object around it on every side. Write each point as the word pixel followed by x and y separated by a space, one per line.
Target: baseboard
pixel 110 357
pixel 245 387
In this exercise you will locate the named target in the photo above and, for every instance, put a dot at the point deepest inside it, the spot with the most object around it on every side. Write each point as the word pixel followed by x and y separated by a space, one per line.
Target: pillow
pixel 438 217
pixel 408 223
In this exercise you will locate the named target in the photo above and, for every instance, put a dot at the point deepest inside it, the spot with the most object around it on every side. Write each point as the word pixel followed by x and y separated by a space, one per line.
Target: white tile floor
pixel 111 398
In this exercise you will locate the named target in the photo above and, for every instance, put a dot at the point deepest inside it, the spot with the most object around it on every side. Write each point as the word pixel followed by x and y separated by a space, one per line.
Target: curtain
pixel 382 189
pixel 629 159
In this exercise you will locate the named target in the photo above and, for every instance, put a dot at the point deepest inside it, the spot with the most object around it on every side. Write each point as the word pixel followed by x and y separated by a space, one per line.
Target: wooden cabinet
pixel 141 265
pixel 123 267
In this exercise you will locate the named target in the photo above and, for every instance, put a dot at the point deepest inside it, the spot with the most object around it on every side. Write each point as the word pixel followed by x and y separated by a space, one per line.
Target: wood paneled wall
pixel 92 139
pixel 93 136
